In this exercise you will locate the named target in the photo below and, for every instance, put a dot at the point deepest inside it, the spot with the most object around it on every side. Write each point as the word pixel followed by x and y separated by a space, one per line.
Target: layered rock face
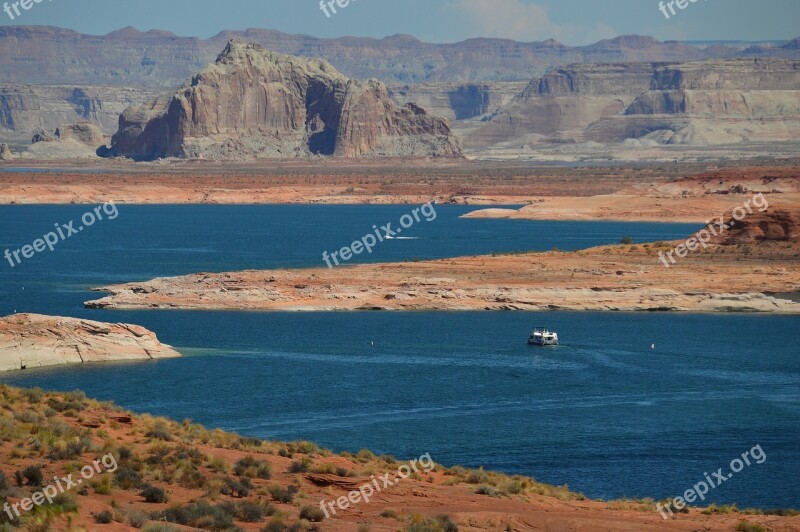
pixel 459 101
pixel 34 340
pixel 702 103
pixel 24 109
pixel 253 103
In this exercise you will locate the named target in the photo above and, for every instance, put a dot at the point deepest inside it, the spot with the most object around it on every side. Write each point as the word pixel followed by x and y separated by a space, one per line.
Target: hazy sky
pixel 569 21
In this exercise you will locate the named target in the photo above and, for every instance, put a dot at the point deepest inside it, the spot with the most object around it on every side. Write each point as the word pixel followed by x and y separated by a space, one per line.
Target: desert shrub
pixel 237 487
pixel 103 486
pixel 325 469
pixel 218 464
pixel 126 478
pixel 246 441
pixel 33 395
pixel 744 526
pixel 626 240
pixel 300 466
pixel 312 513
pixel 137 518
pixel 251 512
pixel 307 447
pixel 722 509
pixel 65 406
pixel 784 512
pixel 485 489
pixel 104 518
pixel 159 431
pixel 124 454
pixel 199 515
pixel 158 527
pixel 365 455
pixel 4 485
pixel 250 467
pixel 441 523
pixel 188 476
pixel 32 475
pixel 280 494
pixel 389 514
pixel 275 525
pixel 73 449
pixel 153 494
pixel 478 476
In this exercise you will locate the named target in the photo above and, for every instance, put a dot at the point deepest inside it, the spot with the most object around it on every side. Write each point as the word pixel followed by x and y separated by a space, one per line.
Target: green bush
pixel 153 494
pixel 250 467
pixel 199 515
pixel 236 487
pixel 137 518
pixel 160 431
pixel 300 466
pixel 312 513
pixel 442 523
pixel 126 478
pixel 744 526
pixel 104 518
pixel 32 475
pixel 285 496
pixel 485 489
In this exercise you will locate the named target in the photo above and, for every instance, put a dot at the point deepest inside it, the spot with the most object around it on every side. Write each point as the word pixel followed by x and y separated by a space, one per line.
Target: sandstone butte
pixel 752 267
pixel 217 481
pixel 255 104
pixel 34 340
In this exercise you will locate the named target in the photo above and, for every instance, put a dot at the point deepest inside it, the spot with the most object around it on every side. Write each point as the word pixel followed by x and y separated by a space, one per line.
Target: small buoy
pixel 652 346
pixel 373 343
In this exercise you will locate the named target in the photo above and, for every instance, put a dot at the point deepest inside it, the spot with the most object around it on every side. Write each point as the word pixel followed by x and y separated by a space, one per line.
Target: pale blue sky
pixel 569 21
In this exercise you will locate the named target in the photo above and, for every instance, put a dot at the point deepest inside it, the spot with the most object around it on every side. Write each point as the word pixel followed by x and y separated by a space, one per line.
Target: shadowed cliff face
pixel 253 103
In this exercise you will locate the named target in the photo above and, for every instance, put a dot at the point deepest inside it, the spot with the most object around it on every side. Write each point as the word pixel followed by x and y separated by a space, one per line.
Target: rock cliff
pixel 25 109
pixel 700 103
pixel 254 103
pixel 33 340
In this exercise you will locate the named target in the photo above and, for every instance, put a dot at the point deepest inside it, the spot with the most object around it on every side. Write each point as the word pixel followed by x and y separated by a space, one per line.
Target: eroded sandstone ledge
pixel 723 278
pixel 34 340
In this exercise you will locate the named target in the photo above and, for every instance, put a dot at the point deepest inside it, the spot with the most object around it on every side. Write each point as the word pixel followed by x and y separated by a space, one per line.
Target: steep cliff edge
pixel 33 340
pixel 253 103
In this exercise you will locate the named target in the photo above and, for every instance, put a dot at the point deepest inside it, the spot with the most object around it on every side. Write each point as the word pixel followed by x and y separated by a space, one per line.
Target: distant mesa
pixel 255 104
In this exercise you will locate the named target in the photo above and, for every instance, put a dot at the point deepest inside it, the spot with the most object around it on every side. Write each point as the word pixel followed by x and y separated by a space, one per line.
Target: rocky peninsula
pixel 35 340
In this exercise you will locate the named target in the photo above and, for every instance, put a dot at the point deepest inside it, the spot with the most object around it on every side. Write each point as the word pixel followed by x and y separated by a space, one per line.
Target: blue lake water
pixel 603 413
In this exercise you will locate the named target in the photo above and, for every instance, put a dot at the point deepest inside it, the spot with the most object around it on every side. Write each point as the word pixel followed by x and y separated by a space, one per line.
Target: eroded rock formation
pixel 253 103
